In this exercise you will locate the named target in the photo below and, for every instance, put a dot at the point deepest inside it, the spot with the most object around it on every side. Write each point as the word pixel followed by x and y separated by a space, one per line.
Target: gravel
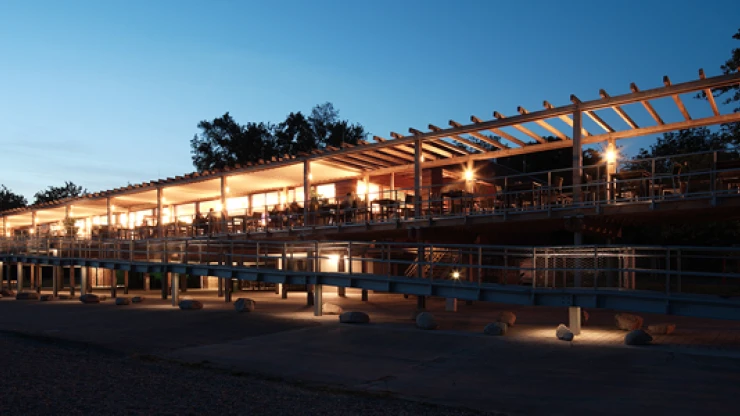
pixel 56 377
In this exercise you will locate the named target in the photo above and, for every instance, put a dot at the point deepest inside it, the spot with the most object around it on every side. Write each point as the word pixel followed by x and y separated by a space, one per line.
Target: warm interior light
pixel 361 188
pixel 334 258
pixel 310 176
pixel 469 175
pixel 228 189
pixel 455 274
pixel 611 156
pixel 219 207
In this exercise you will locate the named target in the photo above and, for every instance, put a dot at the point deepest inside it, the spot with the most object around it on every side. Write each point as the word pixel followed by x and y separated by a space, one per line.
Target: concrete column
pixel 72 281
pixel 55 281
pixel 125 282
pixel 220 286
pixel 176 289
pixel 165 285
pixel 574 319
pixel 32 276
pixel 147 282
pixel 83 280
pixel 19 278
pixel 417 177
pixel 364 295
pixel 113 283
pixel 228 289
pixel 318 301
pixel 341 291
pixel 282 291
pixel 222 221
pixel 183 283
pixel 451 305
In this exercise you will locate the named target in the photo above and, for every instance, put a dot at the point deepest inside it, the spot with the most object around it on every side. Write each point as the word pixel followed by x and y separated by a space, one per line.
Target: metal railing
pixel 667 270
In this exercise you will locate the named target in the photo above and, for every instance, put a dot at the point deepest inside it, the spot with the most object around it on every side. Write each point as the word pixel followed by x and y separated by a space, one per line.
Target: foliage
pixel 224 142
pixel 553 160
pixel 55 193
pixel 10 200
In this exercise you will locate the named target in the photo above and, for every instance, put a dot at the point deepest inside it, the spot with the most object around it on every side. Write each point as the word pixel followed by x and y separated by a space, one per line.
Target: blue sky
pixel 108 92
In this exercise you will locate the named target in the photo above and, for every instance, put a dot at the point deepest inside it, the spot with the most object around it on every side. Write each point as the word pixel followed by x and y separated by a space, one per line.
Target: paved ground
pixel 527 372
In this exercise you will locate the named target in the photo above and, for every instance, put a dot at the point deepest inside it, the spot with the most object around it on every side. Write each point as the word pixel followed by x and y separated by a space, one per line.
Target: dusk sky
pixel 103 93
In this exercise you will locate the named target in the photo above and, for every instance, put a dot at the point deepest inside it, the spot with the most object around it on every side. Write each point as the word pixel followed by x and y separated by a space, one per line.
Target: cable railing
pixel 666 270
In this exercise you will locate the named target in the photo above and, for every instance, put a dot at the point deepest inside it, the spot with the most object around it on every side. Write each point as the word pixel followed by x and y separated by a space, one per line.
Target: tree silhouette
pixel 10 200
pixel 55 193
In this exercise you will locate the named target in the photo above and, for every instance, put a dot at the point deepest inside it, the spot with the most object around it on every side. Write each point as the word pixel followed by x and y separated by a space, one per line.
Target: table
pixel 459 201
pixel 632 180
pixel 385 207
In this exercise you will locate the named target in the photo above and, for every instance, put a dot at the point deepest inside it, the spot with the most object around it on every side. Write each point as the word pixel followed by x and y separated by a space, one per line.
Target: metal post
pixel 55 281
pixel 306 190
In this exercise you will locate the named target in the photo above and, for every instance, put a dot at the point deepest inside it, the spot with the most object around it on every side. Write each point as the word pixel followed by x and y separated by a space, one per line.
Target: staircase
pixel 434 257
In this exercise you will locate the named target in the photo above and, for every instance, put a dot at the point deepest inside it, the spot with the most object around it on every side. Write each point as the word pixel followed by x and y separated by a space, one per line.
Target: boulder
pixel 496 328
pixel 637 337
pixel 331 309
pixel 661 329
pixel 46 298
pixel 27 296
pixel 137 299
pixel 564 333
pixel 123 301
pixel 244 305
pixel 90 298
pixel 627 321
pixel 416 313
pixel 190 304
pixel 7 293
pixel 354 318
pixel 507 317
pixel 425 320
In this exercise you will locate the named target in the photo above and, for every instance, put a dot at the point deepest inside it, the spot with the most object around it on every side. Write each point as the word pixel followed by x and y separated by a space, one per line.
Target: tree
pixel 224 142
pixel 10 200
pixel 731 94
pixel 55 193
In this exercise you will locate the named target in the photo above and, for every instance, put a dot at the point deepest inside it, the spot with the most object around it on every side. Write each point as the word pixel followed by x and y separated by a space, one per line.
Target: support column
pixel 282 291
pixel 125 282
pixel 113 283
pixel 577 156
pixel 83 280
pixel 147 282
pixel 72 280
pixel 311 266
pixel 611 169
pixel 55 281
pixel 109 217
pixel 222 221
pixel 19 278
pixel 363 269
pixel 364 295
pixel 341 291
pixel 220 285
pixel 160 226
pixel 228 289
pixel 368 211
pixel 175 289
pixel 318 301
pixel 421 302
pixel 183 283
pixel 165 285
pixel 574 319
pixel 451 305
pixel 32 276
pixel 417 178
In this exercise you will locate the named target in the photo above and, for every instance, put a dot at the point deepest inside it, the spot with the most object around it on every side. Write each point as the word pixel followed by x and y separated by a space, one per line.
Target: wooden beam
pixel 342 163
pixel 499 132
pixel 593 116
pixel 461 139
pixel 441 143
pixel 521 128
pixel 427 147
pixel 486 139
pixel 566 118
pixel 709 94
pixel 617 109
pixel 410 149
pixel 648 106
pixel 545 125
pixel 365 158
pixel 677 100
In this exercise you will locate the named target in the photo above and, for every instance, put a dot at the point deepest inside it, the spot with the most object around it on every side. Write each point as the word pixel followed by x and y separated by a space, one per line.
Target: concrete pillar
pixel 309 295
pixel 147 282
pixel 341 291
pixel 574 319
pixel 125 282
pixel 421 302
pixel 32 276
pixel 227 289
pixel 451 305
pixel 364 295
pixel 113 283
pixel 83 280
pixel 72 281
pixel 19 278
pixel 282 291
pixel 55 281
pixel 318 301
pixel 220 285
pixel 165 285
pixel 176 289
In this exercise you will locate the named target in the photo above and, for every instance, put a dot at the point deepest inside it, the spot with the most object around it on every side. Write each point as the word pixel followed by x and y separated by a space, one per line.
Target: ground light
pixel 455 274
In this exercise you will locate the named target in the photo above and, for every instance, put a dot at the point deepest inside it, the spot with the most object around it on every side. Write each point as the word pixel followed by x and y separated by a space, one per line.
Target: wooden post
pixel 611 169
pixel 19 278
pixel 72 281
pixel 147 282
pixel 366 181
pixel 125 282
pixel 417 178
pixel 306 190
pixel 165 286
pixel 160 226
pixel 577 156
pixel 109 218
pixel 222 220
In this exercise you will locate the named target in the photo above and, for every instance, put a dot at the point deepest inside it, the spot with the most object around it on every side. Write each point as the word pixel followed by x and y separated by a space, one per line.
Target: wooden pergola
pixel 458 144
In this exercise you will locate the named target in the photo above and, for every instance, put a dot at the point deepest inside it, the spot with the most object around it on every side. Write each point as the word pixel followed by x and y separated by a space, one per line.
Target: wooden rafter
pixel 521 128
pixel 339 162
pixel 545 125
pixel 593 116
pixel 441 143
pixel 648 106
pixel 618 109
pixel 486 139
pixel 409 149
pixel 461 139
pixel 393 152
pixel 709 94
pixel 677 99
pixel 368 159
pixel 426 146
pixel 566 119
pixel 499 132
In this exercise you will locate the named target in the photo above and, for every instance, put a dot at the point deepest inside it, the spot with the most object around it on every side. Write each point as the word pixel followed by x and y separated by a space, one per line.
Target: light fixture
pixel 611 156
pixel 228 189
pixel 334 258
pixel 469 175
pixel 310 176
pixel 455 275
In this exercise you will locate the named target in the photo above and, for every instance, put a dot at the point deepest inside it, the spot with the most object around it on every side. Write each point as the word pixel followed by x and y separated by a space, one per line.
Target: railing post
pixel 349 249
